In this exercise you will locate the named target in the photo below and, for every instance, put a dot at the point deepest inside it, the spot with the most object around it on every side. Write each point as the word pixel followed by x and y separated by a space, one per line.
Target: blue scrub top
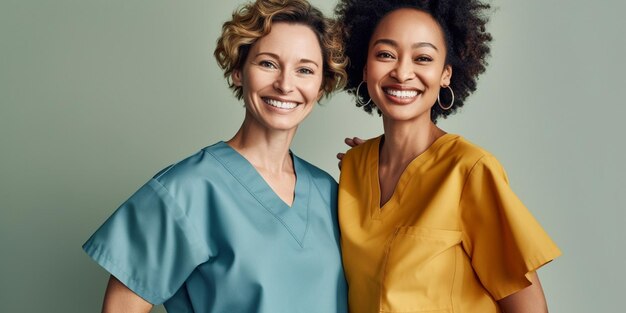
pixel 208 234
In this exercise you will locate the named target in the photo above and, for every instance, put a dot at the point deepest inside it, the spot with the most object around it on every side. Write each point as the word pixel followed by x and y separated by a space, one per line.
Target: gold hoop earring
pixel 359 101
pixel 451 103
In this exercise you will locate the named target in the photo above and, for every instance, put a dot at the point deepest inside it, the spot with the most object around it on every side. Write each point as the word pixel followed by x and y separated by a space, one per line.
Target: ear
pixel 446 76
pixel 365 73
pixel 237 78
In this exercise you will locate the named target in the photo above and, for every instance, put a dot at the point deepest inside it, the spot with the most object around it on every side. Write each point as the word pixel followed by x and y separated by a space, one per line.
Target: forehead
pixel 290 40
pixel 408 26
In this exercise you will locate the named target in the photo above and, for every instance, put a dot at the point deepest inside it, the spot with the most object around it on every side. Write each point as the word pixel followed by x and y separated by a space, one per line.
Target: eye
pixel 384 55
pixel 423 59
pixel 306 70
pixel 267 64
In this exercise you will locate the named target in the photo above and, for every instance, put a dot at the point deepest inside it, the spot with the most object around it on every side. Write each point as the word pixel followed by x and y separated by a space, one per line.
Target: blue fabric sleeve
pixel 149 244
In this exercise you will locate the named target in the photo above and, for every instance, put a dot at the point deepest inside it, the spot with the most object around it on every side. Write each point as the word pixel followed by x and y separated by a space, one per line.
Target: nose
pixel 403 70
pixel 284 82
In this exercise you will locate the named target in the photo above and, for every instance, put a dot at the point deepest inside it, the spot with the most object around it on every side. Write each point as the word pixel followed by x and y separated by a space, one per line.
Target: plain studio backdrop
pixel 97 96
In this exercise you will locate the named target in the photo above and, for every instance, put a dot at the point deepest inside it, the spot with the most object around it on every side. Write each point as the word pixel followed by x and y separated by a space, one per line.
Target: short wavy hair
pixel 254 20
pixel 464 26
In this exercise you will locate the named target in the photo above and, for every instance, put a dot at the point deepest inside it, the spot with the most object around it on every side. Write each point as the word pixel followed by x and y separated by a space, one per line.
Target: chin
pixel 281 125
pixel 405 114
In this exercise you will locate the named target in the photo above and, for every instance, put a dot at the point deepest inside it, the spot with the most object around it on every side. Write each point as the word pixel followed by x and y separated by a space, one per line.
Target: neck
pixel 405 140
pixel 266 149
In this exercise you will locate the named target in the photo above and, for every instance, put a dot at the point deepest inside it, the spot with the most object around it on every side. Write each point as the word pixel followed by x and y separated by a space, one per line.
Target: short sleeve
pixel 502 238
pixel 148 244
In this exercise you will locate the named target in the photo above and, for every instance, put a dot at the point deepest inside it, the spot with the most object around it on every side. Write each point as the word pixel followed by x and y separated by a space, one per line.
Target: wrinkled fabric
pixel 453 237
pixel 208 234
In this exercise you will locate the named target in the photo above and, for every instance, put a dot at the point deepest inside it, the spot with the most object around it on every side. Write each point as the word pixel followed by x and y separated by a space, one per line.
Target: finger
pixel 349 142
pixel 357 141
pixel 340 155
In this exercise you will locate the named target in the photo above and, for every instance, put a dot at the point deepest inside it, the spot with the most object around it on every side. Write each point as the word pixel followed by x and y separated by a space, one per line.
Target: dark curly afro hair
pixel 463 24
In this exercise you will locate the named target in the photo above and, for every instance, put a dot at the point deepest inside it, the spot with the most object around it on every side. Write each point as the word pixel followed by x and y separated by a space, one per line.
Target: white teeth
pixel 401 93
pixel 280 104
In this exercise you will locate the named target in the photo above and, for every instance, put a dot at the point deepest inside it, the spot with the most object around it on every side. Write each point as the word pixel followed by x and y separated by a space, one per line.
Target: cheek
pixel 257 79
pixel 430 77
pixel 377 71
pixel 372 69
pixel 311 89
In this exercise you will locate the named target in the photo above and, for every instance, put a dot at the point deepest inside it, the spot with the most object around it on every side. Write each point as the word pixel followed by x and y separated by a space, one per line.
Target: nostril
pixel 282 88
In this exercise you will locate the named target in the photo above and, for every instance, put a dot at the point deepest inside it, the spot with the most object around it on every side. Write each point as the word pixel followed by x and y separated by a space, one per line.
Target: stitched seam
pixel 385 267
pixel 232 172
pixel 318 190
pixel 197 242
pixel 469 173
pixel 456 255
pixel 98 252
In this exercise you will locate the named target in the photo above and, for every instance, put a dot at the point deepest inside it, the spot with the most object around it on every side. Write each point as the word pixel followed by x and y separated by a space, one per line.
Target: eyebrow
pixel 414 46
pixel 275 56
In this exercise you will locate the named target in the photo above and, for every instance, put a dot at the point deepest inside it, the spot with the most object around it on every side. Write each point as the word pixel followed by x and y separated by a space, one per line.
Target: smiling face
pixel 405 66
pixel 281 77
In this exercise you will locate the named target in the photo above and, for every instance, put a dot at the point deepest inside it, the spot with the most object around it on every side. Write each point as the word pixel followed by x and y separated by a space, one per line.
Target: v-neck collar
pixel 294 218
pixel 378 212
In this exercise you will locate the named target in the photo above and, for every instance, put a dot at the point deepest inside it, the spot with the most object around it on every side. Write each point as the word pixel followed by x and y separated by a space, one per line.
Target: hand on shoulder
pixel 351 142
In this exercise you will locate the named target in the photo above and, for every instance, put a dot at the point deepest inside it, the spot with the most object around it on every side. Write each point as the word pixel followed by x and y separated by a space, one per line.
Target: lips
pixel 281 104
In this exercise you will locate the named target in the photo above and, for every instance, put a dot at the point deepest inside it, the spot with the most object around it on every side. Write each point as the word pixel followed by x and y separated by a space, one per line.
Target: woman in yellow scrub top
pixel 243 225
pixel 428 220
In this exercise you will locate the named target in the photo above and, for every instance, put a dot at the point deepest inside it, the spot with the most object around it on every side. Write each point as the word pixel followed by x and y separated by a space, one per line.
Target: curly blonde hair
pixel 254 20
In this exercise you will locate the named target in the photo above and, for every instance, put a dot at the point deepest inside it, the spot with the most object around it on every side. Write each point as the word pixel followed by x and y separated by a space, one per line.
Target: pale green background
pixel 96 96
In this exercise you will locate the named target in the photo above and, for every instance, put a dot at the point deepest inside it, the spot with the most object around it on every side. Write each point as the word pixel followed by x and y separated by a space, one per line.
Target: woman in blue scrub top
pixel 242 225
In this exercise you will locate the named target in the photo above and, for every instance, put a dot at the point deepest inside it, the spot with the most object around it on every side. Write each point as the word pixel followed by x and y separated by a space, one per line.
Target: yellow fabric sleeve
pixel 502 238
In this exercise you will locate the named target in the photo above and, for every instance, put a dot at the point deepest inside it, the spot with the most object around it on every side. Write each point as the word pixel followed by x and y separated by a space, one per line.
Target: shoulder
pixel 468 154
pixel 478 165
pixel 363 149
pixel 358 156
pixel 200 166
pixel 319 177
pixel 322 182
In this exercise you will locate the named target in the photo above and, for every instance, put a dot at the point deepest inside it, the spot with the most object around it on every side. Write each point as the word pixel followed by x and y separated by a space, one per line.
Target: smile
pixel 403 94
pixel 280 104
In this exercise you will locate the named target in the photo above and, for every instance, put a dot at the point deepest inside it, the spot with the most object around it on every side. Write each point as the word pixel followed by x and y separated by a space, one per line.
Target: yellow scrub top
pixel 453 237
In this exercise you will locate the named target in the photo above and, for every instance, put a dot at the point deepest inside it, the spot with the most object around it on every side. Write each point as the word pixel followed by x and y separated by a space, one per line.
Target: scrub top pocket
pixel 419 270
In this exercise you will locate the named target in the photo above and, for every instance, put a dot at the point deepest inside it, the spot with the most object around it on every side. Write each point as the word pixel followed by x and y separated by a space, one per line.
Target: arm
pixel 527 300
pixel 118 298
